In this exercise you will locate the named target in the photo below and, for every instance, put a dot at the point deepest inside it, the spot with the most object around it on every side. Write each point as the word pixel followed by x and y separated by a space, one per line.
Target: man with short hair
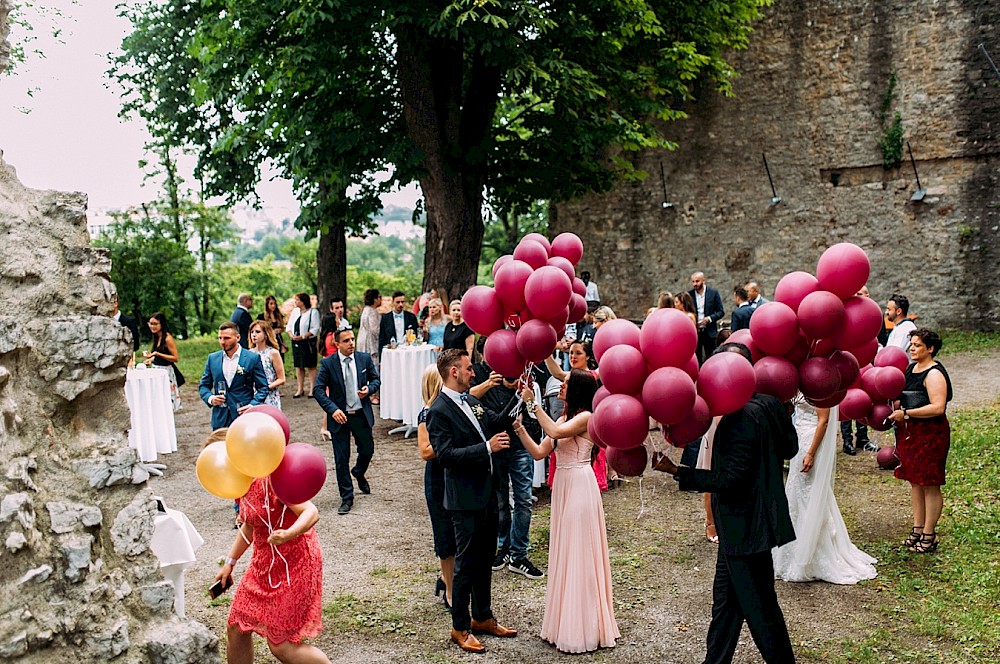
pixel 395 323
pixel 241 316
pixel 896 310
pixel 754 298
pixel 585 329
pixel 708 305
pixel 127 322
pixel 337 309
pixel 740 319
pixel 592 294
pixel 233 380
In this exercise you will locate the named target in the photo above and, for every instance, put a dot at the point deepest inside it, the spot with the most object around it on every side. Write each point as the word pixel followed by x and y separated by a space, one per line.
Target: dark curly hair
pixel 930 338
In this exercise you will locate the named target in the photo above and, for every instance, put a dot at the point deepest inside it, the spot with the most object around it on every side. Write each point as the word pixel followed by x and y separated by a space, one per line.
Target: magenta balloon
pixel 774 328
pixel 857 405
pixel 300 475
pixel 821 314
pixel 569 246
pixel 482 310
pixel 865 353
pixel 822 348
pixel 843 269
pixel 599 396
pixel 868 383
pixel 847 367
pixel 799 352
pixel 579 287
pixel 667 338
pixel 691 367
pixel 886 458
pixel 547 292
pixel 892 356
pixel 592 432
pixel 613 333
pixel 879 419
pixel 889 381
pixel 532 253
pixel 559 320
pixel 744 337
pixel 500 262
pixel 277 415
pixel 577 308
pixel 631 462
pixel 862 323
pixel 623 370
pixel 539 238
pixel 621 421
pixel 535 341
pixel 831 401
pixel 776 376
pixel 509 284
pixel 793 288
pixel 818 378
pixel 726 382
pixel 565 266
pixel 692 427
pixel 500 352
pixel 668 395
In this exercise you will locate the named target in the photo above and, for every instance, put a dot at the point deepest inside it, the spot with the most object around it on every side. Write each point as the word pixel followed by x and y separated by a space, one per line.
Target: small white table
pixel 399 397
pixel 174 542
pixel 147 392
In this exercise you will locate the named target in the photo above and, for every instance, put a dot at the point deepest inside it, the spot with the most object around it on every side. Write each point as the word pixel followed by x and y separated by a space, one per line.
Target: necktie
pixel 349 384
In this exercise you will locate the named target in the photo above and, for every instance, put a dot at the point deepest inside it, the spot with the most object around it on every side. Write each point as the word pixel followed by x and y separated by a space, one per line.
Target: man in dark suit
pixel 241 316
pixel 352 379
pixel 126 321
pixel 754 298
pixel 751 515
pixel 233 380
pixel 708 304
pixel 462 433
pixel 395 323
pixel 740 318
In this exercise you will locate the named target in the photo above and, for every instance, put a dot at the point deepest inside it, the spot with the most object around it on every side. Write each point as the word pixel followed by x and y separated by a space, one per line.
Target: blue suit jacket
pixel 331 375
pixel 740 319
pixel 248 387
pixel 713 309
pixel 243 319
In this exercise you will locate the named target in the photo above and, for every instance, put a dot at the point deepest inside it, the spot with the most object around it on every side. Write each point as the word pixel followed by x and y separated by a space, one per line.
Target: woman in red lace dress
pixel 279 596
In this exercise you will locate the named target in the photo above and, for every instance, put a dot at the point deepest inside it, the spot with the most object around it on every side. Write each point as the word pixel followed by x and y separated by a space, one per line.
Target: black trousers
pixel 357 425
pixel 706 344
pixel 476 544
pixel 744 590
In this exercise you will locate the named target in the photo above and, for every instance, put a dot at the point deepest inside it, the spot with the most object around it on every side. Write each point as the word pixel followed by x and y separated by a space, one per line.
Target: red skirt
pixel 922 446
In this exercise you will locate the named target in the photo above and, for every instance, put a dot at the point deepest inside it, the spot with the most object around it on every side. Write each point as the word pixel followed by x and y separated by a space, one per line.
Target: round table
pixel 401 369
pixel 148 394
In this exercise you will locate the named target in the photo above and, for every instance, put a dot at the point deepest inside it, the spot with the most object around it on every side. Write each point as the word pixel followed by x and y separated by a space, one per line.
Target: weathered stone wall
pixel 809 96
pixel 5 8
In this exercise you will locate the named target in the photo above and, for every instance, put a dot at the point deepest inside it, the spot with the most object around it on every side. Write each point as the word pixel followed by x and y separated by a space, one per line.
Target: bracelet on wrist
pixel 530 406
pixel 231 561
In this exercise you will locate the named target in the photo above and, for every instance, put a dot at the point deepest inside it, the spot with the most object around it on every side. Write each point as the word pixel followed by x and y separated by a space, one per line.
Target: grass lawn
pixel 193 353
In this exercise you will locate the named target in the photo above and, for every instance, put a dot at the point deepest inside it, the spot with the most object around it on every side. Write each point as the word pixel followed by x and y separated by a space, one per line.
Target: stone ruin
pixel 78 581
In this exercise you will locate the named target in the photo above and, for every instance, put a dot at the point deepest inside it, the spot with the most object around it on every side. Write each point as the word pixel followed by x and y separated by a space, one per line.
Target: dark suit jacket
pixel 740 318
pixel 746 483
pixel 387 328
pixel 462 452
pixel 248 387
pixel 713 309
pixel 133 326
pixel 242 318
pixel 331 375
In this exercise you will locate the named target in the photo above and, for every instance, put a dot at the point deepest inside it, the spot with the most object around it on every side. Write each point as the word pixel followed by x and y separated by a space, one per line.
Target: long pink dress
pixel 265 601
pixel 579 609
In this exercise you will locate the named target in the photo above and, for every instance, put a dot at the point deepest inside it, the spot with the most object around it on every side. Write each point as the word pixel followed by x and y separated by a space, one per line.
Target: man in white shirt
pixel 896 310
pixel 592 296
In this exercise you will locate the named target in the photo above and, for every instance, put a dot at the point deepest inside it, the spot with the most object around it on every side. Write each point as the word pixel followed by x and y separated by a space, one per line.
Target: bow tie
pixel 397 315
pixel 464 398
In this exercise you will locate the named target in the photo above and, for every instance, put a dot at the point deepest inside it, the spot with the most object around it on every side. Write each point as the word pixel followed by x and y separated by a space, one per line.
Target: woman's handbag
pixel 178 376
pixel 910 399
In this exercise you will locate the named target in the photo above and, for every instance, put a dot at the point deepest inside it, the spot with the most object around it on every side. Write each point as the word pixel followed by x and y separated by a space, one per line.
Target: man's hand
pixel 501 441
pixel 663 463
pixel 216 400
pixel 243 409
pixel 363 392
pixel 340 417
pixel 495 379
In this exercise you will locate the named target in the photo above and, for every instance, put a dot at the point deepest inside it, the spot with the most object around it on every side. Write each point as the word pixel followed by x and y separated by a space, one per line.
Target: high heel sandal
pixel 914 537
pixel 714 539
pixel 439 587
pixel 928 543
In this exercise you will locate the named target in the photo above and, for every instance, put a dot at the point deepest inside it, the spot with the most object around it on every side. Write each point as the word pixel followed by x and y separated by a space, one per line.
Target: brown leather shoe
pixel 491 626
pixel 467 642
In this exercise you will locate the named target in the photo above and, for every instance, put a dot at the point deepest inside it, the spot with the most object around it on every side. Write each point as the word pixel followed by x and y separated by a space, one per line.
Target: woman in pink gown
pixel 579 608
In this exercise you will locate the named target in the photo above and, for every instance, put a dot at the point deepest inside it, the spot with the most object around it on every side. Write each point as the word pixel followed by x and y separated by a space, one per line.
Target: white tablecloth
pixel 174 542
pixel 148 394
pixel 401 369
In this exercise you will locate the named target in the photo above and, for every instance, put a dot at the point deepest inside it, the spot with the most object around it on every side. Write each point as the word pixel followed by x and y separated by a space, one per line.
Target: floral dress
pixel 273 396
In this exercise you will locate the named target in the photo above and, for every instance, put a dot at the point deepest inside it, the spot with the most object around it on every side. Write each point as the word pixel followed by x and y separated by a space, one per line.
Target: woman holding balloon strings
pixel 263 343
pixel 923 437
pixel 579 607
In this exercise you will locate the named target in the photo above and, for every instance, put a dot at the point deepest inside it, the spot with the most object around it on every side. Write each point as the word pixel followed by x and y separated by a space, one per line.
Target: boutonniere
pixel 239 369
pixel 477 410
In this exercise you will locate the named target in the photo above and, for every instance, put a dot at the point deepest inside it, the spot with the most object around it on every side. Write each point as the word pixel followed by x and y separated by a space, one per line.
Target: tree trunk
pixel 331 266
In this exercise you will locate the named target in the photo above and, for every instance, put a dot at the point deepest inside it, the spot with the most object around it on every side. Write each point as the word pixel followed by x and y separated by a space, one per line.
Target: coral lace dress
pixel 281 604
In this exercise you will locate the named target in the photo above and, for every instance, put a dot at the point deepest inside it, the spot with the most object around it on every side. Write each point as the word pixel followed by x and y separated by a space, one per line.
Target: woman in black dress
pixel 163 353
pixel 457 334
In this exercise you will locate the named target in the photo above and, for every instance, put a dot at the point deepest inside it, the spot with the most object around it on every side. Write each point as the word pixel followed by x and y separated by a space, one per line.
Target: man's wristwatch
pixel 530 406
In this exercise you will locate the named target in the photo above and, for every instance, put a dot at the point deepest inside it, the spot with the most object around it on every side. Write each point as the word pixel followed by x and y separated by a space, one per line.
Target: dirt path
pixel 379 566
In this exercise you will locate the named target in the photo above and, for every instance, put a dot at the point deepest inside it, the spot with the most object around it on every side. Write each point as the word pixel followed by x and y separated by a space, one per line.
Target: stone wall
pixel 809 96
pixel 5 8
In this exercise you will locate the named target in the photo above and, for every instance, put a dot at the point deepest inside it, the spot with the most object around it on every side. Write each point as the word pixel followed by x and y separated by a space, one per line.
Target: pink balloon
pixel 535 341
pixel 818 378
pixel 621 421
pixel 889 382
pixel 500 262
pixel 559 320
pixel 857 405
pixel 631 462
pixel 843 269
pixel 776 376
pixel 547 292
pixel 500 352
pixel 822 348
pixel 569 246
pixel 668 394
pixel 774 327
pixel 509 284
pixel 868 384
pixel 614 333
pixel 592 432
pixel 887 458
pixel 879 419
pixel 892 356
pixel 277 415
pixel 577 308
pixel 821 314
pixel 847 367
pixel 565 266
pixel 539 238
pixel 793 287
pixel 579 287
pixel 599 396
pixel 300 475
pixel 862 323
pixel 865 353
pixel 623 370
pixel 691 367
pixel 667 338
pixel 799 352
pixel 692 427
pixel 831 401
pixel 532 253
pixel 744 337
pixel 482 310
pixel 726 381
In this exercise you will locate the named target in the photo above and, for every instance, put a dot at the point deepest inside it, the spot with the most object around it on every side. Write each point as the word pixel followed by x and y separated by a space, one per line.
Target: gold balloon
pixel 218 475
pixel 255 443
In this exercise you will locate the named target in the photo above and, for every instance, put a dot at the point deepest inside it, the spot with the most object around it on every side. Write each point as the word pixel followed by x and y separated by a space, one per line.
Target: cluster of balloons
pixel 256 445
pixel 536 293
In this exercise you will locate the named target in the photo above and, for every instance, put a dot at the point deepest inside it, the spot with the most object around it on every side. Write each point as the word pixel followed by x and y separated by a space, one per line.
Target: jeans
pixel 516 470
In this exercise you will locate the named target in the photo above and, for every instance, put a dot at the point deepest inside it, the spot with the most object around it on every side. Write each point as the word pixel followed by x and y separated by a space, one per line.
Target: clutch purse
pixel 910 399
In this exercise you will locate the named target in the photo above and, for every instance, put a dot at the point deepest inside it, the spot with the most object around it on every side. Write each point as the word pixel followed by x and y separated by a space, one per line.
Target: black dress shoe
pixel 362 483
pixel 849 449
pixel 345 507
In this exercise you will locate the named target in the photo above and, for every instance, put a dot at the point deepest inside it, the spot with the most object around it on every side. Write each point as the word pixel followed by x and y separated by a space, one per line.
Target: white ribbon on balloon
pixel 275 554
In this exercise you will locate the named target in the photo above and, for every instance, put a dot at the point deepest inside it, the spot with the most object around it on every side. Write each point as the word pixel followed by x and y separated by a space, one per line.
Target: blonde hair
pixel 453 303
pixel 430 384
pixel 430 303
pixel 603 314
pixel 269 339
pixel 215 436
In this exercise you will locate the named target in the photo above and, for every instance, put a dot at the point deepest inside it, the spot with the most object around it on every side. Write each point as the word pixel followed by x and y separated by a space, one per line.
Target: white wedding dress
pixel 822 550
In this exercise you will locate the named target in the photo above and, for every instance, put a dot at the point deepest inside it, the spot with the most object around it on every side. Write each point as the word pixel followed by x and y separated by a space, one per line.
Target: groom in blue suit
pixel 240 371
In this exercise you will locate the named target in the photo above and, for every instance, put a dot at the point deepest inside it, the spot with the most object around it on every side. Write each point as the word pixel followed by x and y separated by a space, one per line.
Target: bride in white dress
pixel 822 550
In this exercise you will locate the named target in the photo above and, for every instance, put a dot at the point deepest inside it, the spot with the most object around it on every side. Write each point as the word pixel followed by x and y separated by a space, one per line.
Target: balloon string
pixel 642 501
pixel 266 518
